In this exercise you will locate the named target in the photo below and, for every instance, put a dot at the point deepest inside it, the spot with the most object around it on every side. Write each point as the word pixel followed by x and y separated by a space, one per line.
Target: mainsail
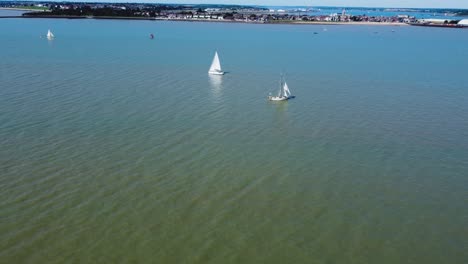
pixel 49 34
pixel 280 92
pixel 215 65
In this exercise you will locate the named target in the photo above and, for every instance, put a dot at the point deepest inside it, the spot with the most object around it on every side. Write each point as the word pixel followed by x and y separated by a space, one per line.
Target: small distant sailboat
pixel 215 66
pixel 50 35
pixel 284 92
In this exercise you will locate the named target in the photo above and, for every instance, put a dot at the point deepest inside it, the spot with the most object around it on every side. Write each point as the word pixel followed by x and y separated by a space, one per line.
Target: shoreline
pixel 348 23
pixel 22 9
pixel 321 23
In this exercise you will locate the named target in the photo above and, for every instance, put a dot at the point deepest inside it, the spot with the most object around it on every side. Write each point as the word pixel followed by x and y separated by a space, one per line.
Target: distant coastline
pixel 218 21
pixel 228 14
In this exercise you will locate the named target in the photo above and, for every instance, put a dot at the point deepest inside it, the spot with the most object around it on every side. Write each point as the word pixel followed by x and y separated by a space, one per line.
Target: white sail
pixel 50 35
pixel 286 92
pixel 215 65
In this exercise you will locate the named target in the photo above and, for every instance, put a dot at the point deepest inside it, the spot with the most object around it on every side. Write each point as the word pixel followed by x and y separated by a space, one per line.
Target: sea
pixel 118 148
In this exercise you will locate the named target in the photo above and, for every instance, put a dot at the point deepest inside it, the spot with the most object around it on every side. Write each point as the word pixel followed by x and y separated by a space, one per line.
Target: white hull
pixel 277 98
pixel 216 72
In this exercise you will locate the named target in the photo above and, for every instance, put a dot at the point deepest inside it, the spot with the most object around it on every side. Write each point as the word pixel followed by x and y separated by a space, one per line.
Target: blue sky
pixel 363 3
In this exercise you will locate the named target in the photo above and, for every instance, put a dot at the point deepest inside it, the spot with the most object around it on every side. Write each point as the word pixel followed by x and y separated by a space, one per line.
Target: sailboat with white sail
pixel 50 36
pixel 216 66
pixel 284 92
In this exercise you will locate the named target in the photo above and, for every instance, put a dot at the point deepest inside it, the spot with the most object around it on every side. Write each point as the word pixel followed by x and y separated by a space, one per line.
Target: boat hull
pixel 216 72
pixel 279 98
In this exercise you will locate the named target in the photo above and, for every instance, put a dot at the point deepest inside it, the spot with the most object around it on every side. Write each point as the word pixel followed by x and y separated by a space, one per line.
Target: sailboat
pixel 50 35
pixel 284 92
pixel 215 66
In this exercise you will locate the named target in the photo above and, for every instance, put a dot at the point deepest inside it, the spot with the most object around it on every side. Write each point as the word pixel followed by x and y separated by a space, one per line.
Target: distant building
pixel 212 9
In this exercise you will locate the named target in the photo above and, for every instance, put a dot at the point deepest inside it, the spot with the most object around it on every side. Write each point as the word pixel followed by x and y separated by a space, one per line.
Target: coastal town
pixel 212 13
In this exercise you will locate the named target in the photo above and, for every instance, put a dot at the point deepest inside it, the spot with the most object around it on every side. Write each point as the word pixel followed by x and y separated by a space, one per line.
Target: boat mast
pixel 280 93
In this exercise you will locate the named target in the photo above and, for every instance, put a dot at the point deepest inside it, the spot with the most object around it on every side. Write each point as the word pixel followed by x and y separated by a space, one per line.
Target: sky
pixel 341 3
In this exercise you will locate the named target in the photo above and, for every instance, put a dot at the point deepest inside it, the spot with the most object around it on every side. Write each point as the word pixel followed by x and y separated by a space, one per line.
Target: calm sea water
pixel 9 12
pixel 118 148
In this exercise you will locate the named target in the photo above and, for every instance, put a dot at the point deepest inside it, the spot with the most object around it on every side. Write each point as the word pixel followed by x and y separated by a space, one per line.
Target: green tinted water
pixel 116 148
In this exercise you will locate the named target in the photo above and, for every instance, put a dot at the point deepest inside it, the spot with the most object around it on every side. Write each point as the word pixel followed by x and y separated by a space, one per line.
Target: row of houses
pixel 252 17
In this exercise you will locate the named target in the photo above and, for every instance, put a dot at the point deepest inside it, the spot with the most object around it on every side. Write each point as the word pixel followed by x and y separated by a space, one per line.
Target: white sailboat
pixel 216 66
pixel 284 92
pixel 50 35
